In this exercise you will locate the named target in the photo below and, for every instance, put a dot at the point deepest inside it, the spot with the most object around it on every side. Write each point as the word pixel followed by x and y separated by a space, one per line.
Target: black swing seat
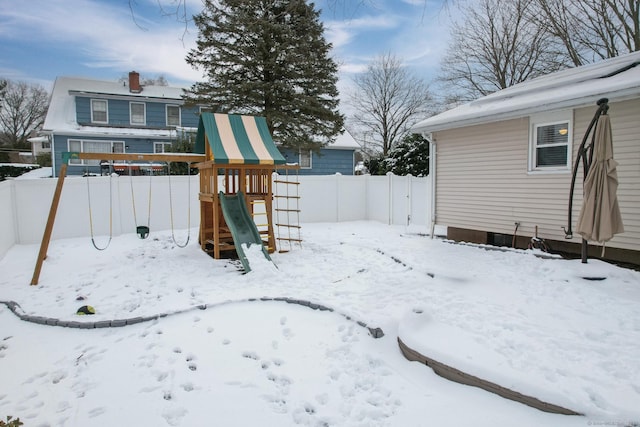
pixel 143 231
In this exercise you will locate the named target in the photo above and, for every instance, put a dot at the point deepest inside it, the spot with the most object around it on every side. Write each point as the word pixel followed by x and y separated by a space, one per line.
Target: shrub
pixel 11 422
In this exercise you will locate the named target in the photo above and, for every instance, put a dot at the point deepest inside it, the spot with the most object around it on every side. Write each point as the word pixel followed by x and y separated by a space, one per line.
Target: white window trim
pixel 144 114
pixel 77 162
pixel 310 160
pixel 547 119
pixel 166 112
pixel 164 146
pixel 106 103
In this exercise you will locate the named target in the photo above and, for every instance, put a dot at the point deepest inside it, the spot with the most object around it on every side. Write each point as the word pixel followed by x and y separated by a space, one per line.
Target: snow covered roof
pixel 344 141
pixel 61 116
pixel 616 78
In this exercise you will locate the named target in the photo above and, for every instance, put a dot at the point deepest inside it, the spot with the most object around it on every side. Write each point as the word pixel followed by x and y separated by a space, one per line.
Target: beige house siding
pixel 483 182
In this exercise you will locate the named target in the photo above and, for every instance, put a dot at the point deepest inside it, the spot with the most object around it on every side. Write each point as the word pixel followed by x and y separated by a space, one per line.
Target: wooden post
pixel 46 238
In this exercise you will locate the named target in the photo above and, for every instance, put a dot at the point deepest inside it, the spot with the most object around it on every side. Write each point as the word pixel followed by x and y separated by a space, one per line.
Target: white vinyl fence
pixel 25 203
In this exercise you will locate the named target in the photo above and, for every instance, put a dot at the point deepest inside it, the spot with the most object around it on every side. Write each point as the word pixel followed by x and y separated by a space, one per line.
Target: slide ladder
pixel 242 227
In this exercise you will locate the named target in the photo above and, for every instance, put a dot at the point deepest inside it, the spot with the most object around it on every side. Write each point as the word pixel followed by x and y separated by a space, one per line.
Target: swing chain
pixel 142 230
pixel 188 206
pixel 88 176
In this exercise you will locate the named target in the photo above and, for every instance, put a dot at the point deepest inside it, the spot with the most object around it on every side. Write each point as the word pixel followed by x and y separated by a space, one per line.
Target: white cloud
pixel 108 35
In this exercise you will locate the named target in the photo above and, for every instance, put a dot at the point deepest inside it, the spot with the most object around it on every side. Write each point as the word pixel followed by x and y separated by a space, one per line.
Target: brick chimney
pixel 134 82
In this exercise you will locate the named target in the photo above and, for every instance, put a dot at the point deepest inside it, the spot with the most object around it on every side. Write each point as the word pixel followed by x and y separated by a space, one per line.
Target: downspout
pixel 432 172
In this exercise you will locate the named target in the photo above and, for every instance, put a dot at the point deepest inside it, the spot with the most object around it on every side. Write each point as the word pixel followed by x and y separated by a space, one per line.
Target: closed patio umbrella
pixel 600 218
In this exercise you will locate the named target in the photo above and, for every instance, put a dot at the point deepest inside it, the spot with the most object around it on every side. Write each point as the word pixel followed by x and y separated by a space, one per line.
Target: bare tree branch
pixel 496 47
pixel 22 111
pixel 386 100
pixel 590 30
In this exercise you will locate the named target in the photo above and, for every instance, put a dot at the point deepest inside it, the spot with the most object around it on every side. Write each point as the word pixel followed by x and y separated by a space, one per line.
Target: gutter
pixel 526 110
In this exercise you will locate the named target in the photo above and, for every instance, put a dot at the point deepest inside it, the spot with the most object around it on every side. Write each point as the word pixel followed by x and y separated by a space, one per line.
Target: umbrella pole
pixel 586 161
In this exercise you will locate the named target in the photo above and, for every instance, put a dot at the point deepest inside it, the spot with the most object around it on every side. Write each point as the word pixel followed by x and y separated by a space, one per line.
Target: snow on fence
pixel 25 204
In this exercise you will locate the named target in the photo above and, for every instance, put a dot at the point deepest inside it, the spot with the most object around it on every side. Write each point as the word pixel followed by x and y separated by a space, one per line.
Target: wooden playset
pixel 236 156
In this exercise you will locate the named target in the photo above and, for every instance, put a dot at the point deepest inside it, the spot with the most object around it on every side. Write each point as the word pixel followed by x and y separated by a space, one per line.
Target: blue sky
pixel 102 39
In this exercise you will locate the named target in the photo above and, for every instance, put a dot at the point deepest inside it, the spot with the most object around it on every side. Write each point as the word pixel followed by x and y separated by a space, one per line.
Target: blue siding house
pixel 102 116
pixel 338 157
pixel 126 117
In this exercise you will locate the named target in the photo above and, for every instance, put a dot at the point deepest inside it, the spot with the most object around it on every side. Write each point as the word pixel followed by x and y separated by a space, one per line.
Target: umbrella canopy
pixel 600 218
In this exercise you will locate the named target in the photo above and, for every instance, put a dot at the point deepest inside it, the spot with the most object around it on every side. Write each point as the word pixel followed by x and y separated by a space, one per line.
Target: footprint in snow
pixel 250 355
pixel 287 333
pixel 95 412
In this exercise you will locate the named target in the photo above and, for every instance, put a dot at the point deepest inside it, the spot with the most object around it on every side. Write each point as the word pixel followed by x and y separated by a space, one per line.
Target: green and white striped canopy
pixel 236 139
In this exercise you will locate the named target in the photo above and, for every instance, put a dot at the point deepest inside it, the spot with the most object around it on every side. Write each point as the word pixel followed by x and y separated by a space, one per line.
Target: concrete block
pixel 37 319
pixel 74 324
pixel 103 324
pixel 87 325
pixel 118 323
pixel 376 332
pixel 134 320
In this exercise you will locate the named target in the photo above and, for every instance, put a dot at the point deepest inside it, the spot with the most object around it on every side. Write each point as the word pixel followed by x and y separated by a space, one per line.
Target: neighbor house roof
pixel 344 141
pixel 236 139
pixel 617 79
pixel 61 115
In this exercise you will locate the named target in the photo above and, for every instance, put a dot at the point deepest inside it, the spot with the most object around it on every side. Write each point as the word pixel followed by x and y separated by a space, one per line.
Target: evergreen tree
pixel 410 156
pixel 184 143
pixel 268 58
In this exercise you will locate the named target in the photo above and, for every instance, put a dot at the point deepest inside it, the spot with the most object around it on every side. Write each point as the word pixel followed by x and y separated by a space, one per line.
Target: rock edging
pixel 15 308
pixel 458 376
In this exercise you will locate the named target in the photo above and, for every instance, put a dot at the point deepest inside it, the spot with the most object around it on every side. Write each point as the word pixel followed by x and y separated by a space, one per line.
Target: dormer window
pixel 137 113
pixel 99 111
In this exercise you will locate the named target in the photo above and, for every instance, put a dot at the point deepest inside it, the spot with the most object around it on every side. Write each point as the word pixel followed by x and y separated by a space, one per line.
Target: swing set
pixel 237 159
pixel 141 230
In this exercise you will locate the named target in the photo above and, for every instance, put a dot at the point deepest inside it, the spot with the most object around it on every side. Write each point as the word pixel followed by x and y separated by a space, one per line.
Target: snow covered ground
pixel 531 324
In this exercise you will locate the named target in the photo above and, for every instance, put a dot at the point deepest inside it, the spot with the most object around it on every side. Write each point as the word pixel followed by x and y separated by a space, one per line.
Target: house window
pixel 550 145
pixel 304 159
pixel 173 115
pixel 161 147
pixel 137 112
pixel 87 146
pixel 99 111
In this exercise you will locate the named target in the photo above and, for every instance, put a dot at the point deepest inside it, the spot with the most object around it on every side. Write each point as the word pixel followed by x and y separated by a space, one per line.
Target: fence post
pixel 390 209
pixel 337 192
pixel 409 179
